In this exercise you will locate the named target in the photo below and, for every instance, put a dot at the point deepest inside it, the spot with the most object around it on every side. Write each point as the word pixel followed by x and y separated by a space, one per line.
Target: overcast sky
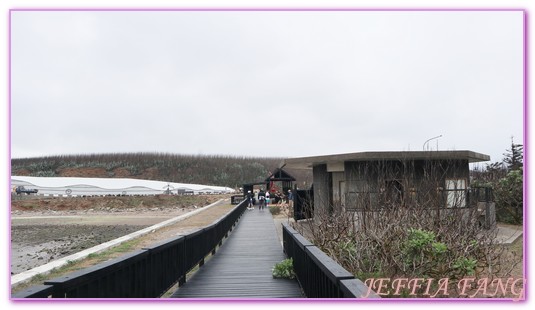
pixel 265 83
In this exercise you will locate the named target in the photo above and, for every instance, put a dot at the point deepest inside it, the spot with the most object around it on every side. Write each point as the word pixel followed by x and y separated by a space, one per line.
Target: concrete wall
pixel 373 218
pixel 322 188
pixel 371 183
pixel 337 177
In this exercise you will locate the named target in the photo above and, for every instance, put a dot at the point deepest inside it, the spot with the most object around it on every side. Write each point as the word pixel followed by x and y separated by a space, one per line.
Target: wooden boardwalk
pixel 241 268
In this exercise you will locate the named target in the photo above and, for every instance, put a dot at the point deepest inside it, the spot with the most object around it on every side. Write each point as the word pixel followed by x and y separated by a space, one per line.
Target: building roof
pixel 309 162
pixel 280 175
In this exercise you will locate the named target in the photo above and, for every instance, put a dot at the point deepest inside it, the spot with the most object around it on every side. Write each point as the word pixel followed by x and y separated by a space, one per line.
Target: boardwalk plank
pixel 241 268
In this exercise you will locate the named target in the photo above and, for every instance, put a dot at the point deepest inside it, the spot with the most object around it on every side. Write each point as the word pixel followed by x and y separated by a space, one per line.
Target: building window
pixel 455 193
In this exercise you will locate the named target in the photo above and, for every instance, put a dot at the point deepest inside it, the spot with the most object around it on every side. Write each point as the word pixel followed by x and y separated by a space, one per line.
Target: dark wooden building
pixel 279 176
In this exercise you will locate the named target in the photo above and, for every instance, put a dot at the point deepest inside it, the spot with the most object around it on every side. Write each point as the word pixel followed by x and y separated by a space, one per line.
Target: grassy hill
pixel 232 171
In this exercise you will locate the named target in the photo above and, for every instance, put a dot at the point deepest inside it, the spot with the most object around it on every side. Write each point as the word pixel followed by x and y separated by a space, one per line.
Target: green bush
pixel 509 198
pixel 465 265
pixel 284 269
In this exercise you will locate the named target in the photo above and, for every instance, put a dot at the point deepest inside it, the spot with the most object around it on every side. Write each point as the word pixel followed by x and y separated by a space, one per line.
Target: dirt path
pixel 199 220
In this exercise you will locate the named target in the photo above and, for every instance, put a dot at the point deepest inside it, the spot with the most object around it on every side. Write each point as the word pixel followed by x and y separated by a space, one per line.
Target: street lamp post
pixel 430 140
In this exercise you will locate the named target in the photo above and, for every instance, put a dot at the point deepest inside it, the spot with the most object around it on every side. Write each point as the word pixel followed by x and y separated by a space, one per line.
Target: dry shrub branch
pixel 398 232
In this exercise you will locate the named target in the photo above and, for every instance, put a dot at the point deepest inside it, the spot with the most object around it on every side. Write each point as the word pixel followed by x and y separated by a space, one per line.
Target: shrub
pixel 284 269
pixel 465 265
pixel 410 242
pixel 509 198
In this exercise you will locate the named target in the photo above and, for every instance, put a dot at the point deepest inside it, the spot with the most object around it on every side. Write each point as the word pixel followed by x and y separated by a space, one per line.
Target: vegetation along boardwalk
pixel 242 267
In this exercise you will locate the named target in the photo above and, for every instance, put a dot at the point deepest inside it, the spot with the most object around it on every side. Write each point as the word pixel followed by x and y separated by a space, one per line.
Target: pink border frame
pixel 291 300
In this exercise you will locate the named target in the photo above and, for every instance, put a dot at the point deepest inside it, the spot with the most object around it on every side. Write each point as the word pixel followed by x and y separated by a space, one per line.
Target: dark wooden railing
pixel 319 275
pixel 146 273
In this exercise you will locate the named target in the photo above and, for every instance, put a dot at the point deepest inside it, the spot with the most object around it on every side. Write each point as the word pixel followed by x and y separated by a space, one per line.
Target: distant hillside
pixel 231 171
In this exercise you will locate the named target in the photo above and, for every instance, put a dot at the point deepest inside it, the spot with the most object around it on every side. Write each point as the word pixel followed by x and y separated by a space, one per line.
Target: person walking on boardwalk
pixel 261 199
pixel 290 200
pixel 267 199
pixel 250 200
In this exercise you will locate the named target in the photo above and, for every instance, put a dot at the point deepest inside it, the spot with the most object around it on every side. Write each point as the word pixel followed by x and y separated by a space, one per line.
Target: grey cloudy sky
pixel 265 83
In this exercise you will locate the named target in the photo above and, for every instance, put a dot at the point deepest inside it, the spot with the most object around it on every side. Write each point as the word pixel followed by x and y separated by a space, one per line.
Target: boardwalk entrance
pixel 242 266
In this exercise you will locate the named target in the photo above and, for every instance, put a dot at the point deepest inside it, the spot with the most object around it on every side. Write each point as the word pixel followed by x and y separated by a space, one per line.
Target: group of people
pixel 265 198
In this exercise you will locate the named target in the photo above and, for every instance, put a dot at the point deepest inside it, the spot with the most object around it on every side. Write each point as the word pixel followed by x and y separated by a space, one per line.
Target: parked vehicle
pixel 22 190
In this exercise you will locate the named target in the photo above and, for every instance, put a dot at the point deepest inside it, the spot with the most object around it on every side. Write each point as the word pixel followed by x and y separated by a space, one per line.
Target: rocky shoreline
pixel 39 237
pixel 35 245
pixel 46 229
